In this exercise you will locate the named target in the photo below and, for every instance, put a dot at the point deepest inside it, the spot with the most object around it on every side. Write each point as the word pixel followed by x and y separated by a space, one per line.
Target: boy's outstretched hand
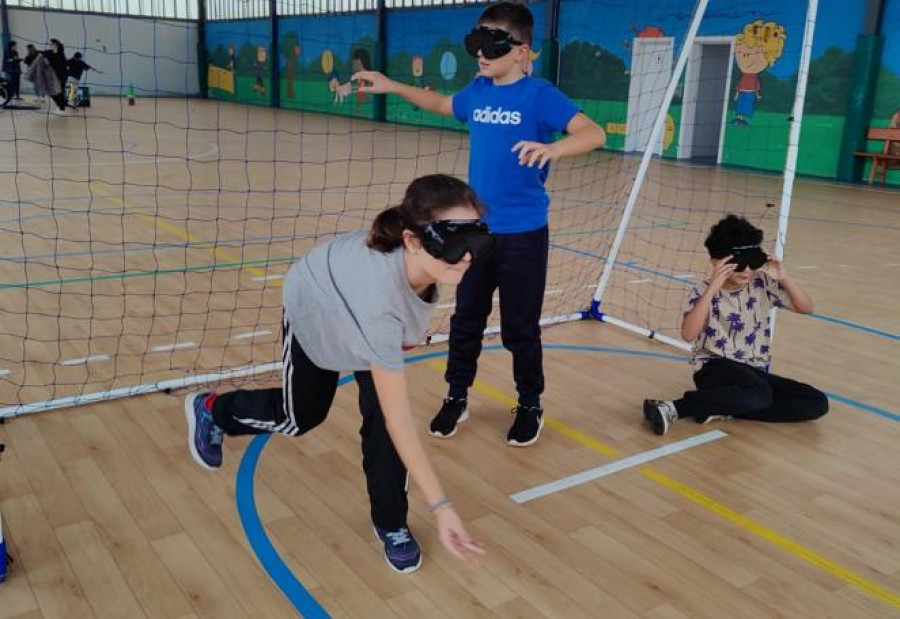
pixel 373 82
pixel 536 152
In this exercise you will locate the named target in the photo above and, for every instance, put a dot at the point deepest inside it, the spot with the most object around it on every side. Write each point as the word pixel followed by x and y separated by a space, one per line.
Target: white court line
pixel 445 306
pixel 844 266
pixel 808 267
pixel 168 347
pixel 893 264
pixel 266 278
pixel 635 281
pixel 614 467
pixel 84 360
pixel 685 276
pixel 4 372
pixel 247 336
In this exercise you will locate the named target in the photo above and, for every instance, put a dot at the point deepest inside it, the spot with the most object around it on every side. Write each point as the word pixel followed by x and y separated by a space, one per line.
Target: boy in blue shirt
pixel 512 118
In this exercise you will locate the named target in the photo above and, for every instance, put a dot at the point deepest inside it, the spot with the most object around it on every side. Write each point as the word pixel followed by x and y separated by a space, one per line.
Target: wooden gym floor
pixel 107 515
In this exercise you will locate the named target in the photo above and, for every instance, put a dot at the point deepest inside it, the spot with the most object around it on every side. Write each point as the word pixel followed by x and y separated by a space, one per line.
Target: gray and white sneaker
pixel 714 418
pixel 661 414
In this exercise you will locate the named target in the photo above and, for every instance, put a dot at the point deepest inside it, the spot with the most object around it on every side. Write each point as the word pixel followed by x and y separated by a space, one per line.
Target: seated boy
pixel 728 320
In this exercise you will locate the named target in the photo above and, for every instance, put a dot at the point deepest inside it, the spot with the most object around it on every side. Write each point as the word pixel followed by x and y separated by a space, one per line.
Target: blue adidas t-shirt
pixel 499 116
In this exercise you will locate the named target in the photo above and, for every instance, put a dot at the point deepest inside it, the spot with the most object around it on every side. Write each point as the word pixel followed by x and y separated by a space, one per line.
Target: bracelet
pixel 438 504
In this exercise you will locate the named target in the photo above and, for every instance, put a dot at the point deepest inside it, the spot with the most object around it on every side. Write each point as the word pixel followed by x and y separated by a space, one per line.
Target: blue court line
pixel 688 282
pixel 271 561
pixel 863 406
pixel 856 325
pixel 275 566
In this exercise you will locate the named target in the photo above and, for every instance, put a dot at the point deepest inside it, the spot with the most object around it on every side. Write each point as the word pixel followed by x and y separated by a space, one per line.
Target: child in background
pixel 13 68
pixel 76 67
pixel 728 320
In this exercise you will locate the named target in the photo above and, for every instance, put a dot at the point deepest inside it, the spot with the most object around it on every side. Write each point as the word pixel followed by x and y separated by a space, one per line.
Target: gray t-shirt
pixel 351 306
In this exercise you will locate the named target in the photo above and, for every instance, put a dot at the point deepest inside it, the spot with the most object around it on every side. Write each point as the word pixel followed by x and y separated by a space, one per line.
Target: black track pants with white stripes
pixel 303 403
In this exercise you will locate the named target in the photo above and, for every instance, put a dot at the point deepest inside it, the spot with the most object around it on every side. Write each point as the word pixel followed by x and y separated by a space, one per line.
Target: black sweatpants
pixel 303 403
pixel 518 267
pixel 60 100
pixel 726 387
pixel 15 84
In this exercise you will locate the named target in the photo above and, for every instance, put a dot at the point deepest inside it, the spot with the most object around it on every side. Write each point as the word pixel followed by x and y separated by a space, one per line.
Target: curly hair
pixel 766 35
pixel 730 232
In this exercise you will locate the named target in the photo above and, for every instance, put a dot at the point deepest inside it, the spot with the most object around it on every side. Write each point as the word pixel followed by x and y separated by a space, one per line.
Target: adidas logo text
pixel 497 117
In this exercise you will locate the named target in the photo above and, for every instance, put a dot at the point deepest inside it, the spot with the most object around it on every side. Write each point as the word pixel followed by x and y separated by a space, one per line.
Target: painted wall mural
pixel 425 48
pixel 602 65
pixel 318 56
pixel 756 48
pixel 764 38
pixel 239 63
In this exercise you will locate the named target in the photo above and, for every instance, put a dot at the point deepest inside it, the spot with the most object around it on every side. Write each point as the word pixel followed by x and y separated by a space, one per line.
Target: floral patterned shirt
pixel 739 324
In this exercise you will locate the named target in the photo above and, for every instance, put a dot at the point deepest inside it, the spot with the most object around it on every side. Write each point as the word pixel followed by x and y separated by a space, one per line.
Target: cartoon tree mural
pixel 400 66
pixel 219 57
pixel 290 51
pixel 590 71
pixel 246 59
pixel 466 66
pixel 829 81
pixel 756 48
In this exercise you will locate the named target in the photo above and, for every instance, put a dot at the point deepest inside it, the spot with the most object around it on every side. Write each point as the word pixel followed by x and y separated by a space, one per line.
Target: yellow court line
pixel 813 558
pixel 179 232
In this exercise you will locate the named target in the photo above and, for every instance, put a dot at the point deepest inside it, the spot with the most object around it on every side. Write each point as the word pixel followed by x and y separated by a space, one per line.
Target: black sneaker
pixel 527 426
pixel 453 411
pixel 661 414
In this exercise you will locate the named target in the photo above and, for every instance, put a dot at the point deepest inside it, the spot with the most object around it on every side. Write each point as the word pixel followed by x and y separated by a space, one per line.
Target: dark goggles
pixel 748 256
pixel 493 42
pixel 451 239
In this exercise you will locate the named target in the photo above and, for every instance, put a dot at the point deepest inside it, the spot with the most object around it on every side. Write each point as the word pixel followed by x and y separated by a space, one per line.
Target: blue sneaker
pixel 401 550
pixel 204 436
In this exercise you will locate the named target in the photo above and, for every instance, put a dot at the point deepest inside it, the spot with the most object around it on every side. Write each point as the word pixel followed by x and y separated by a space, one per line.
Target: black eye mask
pixel 748 256
pixel 493 42
pixel 451 239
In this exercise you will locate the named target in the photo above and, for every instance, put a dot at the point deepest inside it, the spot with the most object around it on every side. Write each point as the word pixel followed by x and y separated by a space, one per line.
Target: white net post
pixel 649 151
pixel 790 166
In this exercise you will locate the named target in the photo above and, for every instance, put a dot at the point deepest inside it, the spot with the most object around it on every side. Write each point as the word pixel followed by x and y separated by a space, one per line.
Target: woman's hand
pixel 454 536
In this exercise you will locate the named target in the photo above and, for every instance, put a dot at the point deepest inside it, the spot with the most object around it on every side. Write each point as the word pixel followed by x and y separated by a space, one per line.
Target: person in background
pixel 13 68
pixel 56 56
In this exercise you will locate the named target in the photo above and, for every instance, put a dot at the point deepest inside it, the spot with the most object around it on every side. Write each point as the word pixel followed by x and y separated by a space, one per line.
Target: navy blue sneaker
pixel 204 436
pixel 401 550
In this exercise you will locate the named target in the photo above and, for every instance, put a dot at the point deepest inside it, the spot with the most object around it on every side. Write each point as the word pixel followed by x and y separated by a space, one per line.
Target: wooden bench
pixel 889 157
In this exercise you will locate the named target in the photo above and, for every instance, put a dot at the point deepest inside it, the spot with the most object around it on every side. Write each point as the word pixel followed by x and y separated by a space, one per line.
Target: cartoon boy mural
pixel 361 61
pixel 418 71
pixel 755 49
pixel 259 69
